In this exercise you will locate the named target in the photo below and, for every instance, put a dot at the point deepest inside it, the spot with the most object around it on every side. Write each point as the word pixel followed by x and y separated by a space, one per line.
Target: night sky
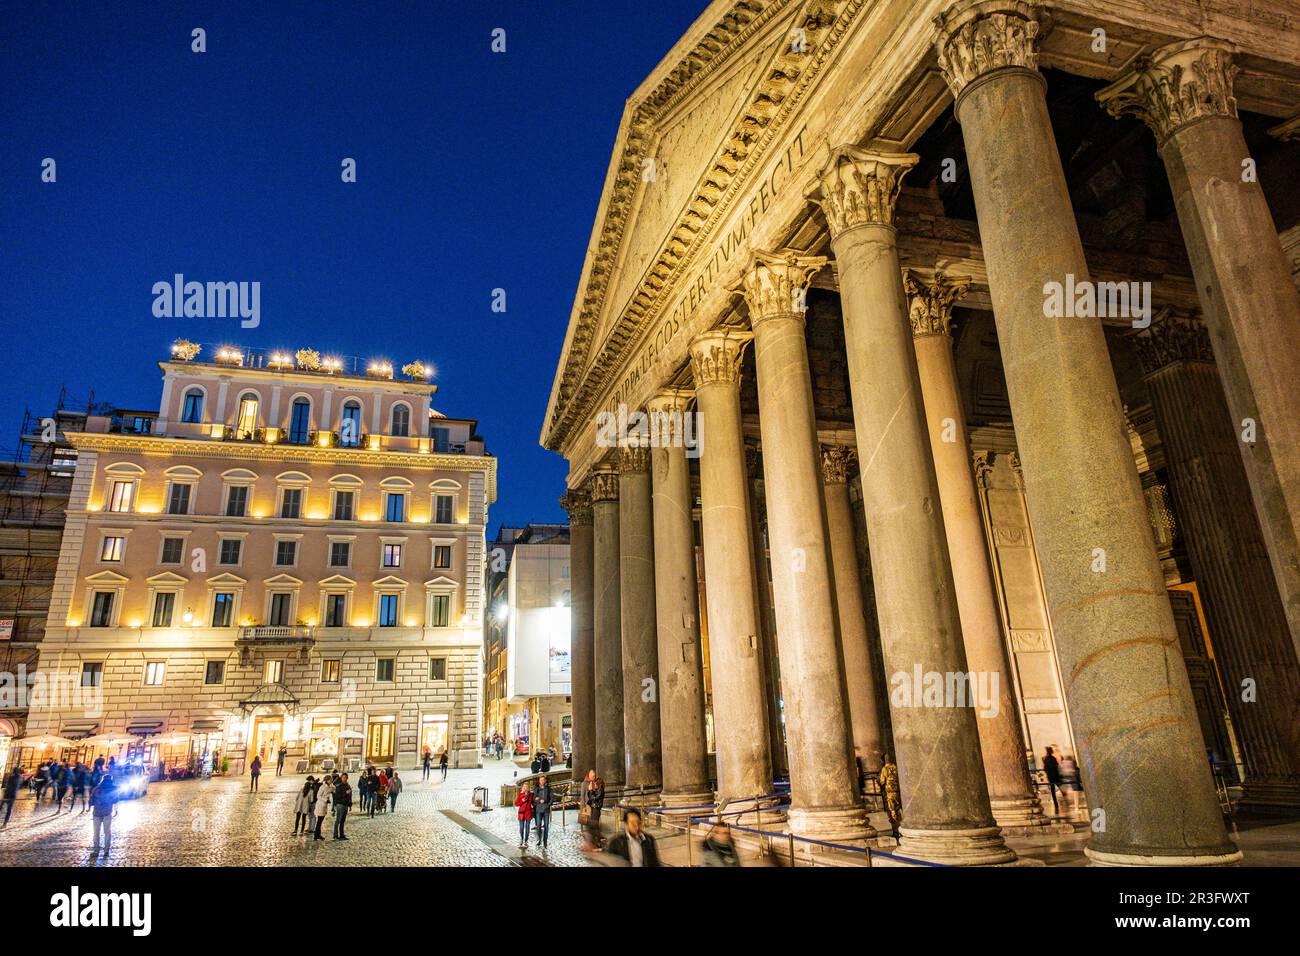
pixel 475 171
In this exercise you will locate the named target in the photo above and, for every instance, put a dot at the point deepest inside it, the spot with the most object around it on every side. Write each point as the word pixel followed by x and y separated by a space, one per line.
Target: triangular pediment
pixel 167 577
pixel 107 577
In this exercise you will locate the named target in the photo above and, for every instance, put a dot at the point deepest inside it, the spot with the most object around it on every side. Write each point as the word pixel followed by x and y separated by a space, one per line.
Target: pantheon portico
pixel 928 345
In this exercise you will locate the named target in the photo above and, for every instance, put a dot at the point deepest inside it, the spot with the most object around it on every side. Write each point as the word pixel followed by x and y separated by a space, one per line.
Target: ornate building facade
pixel 985 314
pixel 288 553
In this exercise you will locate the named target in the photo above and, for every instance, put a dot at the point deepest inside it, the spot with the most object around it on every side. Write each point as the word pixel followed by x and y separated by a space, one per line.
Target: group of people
pixel 534 811
pixel 426 761
pixel 378 790
pixel 320 798
pixel 61 780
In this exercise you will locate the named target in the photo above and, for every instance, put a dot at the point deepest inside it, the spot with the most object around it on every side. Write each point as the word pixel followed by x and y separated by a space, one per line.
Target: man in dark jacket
pixel 1052 771
pixel 544 799
pixel 342 800
pixel 13 783
pixel 634 845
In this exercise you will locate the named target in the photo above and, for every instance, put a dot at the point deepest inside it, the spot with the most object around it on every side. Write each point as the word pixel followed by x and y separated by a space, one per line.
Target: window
pixel 281 607
pixel 442 556
pixel 214 672
pixel 231 549
pixel 273 672
pixel 101 609
pixel 343 502
pixel 92 675
pixel 122 495
pixel 246 423
pixel 286 553
pixel 164 605
pixel 437 668
pixel 291 503
pixel 340 554
pixel 330 671
pixel 336 609
pixel 392 555
pixel 173 549
pixel 388 610
pixel 440 610
pixel 350 426
pixel 564 572
pixel 395 507
pixel 384 670
pixel 401 421
pixel 178 500
pixel 444 505
pixel 237 501
pixel 300 422
pixel 154 672
pixel 192 411
pixel 223 609
pixel 441 438
pixel 112 547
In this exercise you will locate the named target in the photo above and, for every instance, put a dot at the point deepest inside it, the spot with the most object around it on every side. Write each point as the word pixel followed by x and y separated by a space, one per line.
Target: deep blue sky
pixel 475 171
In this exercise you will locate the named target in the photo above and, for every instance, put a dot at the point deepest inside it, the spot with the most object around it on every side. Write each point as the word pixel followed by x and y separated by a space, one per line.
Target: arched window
pixel 192 410
pixel 300 422
pixel 401 421
pixel 350 425
pixel 246 423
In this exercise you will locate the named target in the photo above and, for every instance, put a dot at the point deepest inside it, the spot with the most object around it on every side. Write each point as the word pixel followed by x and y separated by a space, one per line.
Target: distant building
pixel 289 552
pixel 527 652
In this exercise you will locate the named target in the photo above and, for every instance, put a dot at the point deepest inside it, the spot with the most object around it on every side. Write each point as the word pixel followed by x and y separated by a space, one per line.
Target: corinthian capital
pixel 1172 337
pixel 716 356
pixel 604 485
pixel 633 459
pixel 1175 85
pixel 778 283
pixel 976 37
pixel 577 502
pixel 859 187
pixel 837 460
pixel 931 301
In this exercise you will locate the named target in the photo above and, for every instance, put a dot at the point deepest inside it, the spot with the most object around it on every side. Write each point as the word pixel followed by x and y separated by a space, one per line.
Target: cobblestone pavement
pixel 219 823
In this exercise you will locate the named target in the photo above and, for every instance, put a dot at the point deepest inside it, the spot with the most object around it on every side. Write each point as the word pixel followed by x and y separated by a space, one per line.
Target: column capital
pixel 982 465
pixel 1173 336
pixel 859 187
pixel 577 502
pixel 604 485
pixel 776 284
pixel 978 37
pixel 671 400
pixel 633 459
pixel 716 356
pixel 837 463
pixel 930 305
pixel 1175 85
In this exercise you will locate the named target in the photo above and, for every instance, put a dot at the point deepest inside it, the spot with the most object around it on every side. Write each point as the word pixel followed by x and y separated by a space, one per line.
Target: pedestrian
pixel 40 780
pixel 719 849
pixel 426 762
pixel 342 800
pixel 279 760
pixel 394 788
pixel 62 784
pixel 543 800
pixel 536 766
pixel 79 779
pixel 442 763
pixel 1052 771
pixel 378 792
pixel 302 808
pixel 9 791
pixel 595 799
pixel 500 746
pixel 634 845
pixel 322 804
pixel 102 800
pixel 524 803
pixel 890 793
pixel 254 772
pixel 363 789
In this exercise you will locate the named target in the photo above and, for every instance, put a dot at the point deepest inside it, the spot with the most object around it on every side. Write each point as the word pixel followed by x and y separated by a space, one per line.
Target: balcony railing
pixel 271 632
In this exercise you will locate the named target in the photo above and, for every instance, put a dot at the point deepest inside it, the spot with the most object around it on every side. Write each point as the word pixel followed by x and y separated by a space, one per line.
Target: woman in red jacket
pixel 525 802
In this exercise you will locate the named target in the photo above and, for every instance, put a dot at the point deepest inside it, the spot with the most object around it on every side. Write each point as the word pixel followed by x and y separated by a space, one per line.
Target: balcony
pixel 298 638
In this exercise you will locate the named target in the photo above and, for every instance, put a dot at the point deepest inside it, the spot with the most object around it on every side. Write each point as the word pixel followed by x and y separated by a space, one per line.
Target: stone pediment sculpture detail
pixel 820 25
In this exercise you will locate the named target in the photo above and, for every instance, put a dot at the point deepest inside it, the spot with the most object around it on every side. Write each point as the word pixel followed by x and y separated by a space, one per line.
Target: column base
pixel 980 846
pixel 687 802
pixel 1107 858
pixel 1019 816
pixel 642 800
pixel 833 825
pixel 1270 798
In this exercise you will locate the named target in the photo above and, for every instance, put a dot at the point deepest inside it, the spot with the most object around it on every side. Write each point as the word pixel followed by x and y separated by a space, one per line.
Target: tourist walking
pixel 342 800
pixel 543 800
pixel 62 784
pixel 525 805
pixel 890 793
pixel 394 788
pixel 719 849
pixel 40 780
pixel 279 759
pixel 302 808
pixel 1052 771
pixel 442 763
pixel 254 772
pixel 595 795
pixel 634 845
pixel 79 780
pixel 102 800
pixel 321 809
pixel 9 791
pixel 378 792
pixel 427 763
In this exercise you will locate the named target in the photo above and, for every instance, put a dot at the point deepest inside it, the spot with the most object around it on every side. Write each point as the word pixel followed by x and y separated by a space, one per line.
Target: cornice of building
pixel 296 376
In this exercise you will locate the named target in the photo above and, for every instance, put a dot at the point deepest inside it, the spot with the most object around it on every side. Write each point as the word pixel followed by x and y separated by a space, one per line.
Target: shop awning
pixel 271 694
pixel 144 727
pixel 78 729
pixel 206 725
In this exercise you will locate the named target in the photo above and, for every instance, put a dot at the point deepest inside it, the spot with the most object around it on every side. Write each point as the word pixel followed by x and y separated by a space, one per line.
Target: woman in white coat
pixel 302 808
